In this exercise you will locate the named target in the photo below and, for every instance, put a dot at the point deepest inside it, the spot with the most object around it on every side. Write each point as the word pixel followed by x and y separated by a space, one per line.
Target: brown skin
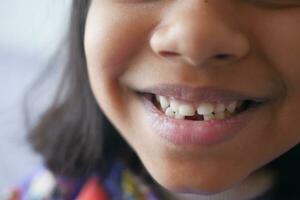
pixel 123 44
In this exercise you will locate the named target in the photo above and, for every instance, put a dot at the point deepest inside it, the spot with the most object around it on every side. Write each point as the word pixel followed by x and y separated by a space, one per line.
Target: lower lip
pixel 197 133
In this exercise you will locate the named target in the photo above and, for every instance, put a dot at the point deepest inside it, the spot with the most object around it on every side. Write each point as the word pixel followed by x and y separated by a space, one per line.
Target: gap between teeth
pixel 209 111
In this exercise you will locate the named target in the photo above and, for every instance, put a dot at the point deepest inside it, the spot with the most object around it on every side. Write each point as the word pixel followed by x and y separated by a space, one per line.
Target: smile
pixel 188 116
pixel 202 111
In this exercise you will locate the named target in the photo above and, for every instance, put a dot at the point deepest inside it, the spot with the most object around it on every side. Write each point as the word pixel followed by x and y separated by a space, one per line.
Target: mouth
pixel 198 116
pixel 199 111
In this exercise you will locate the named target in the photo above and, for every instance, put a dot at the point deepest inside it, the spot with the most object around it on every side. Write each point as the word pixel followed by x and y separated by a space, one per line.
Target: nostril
pixel 222 56
pixel 168 53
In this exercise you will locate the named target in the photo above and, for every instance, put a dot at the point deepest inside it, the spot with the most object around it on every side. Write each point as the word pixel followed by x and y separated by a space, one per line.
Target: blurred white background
pixel 30 32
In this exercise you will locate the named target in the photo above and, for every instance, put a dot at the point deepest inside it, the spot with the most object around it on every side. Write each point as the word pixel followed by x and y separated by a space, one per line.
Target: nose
pixel 199 35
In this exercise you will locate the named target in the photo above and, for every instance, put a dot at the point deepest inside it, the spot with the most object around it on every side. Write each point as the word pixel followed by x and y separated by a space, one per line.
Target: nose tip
pixel 199 39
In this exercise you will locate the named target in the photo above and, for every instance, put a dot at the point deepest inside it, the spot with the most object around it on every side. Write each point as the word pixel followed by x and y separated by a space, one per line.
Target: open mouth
pixel 199 111
pixel 201 116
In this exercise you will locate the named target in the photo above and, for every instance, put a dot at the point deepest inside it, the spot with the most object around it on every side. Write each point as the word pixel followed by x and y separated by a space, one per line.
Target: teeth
pixel 220 108
pixel 209 117
pixel 174 105
pixel 209 111
pixel 186 110
pixel 179 116
pixel 220 115
pixel 169 112
pixel 205 108
pixel 164 103
pixel 231 107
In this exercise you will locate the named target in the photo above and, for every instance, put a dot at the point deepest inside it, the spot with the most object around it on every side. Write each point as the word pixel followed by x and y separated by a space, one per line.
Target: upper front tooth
pixel 174 105
pixel 179 116
pixel 231 107
pixel 205 108
pixel 186 110
pixel 164 103
pixel 169 112
pixel 219 108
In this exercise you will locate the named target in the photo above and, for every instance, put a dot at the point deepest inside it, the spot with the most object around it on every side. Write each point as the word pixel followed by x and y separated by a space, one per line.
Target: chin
pixel 205 189
pixel 207 184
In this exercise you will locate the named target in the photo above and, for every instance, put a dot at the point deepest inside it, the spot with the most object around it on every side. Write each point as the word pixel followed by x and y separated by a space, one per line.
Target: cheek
pixel 113 40
pixel 284 49
pixel 108 51
pixel 109 45
pixel 278 43
pixel 276 38
pixel 112 43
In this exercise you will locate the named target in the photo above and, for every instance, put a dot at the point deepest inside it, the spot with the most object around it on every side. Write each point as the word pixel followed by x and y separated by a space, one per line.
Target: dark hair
pixel 74 137
pixel 71 134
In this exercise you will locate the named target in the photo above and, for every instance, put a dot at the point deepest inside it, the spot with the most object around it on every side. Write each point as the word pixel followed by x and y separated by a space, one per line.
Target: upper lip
pixel 199 94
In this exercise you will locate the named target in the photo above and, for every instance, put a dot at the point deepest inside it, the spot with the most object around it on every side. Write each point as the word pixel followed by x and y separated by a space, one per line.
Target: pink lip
pixel 207 94
pixel 196 133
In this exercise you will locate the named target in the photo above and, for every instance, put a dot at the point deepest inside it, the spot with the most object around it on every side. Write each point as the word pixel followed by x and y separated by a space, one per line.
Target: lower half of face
pixel 202 165
pixel 201 129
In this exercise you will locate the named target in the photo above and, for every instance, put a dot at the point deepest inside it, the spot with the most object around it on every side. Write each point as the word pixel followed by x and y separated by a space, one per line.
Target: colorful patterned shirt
pixel 119 184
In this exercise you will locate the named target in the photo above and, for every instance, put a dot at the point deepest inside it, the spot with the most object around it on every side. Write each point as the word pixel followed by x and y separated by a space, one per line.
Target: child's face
pixel 195 52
